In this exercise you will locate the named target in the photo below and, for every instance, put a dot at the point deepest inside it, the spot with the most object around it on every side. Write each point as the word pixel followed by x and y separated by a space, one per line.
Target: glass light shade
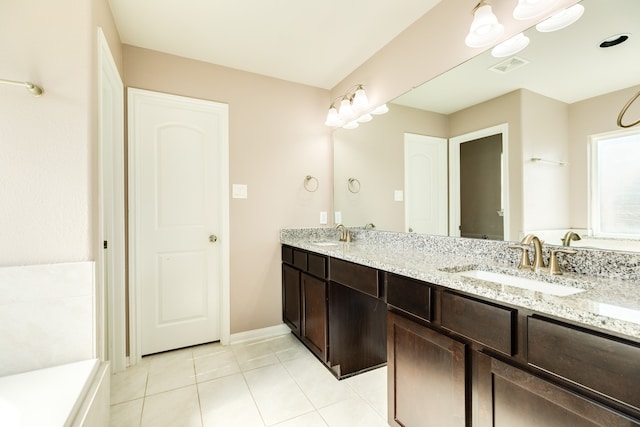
pixel 360 100
pixel 381 109
pixel 561 19
pixel 351 125
pixel 485 28
pixel 510 47
pixel 530 9
pixel 346 111
pixel 332 117
pixel 365 118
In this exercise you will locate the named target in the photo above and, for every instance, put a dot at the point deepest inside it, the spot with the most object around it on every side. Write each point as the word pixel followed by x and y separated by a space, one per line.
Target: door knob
pixel 213 238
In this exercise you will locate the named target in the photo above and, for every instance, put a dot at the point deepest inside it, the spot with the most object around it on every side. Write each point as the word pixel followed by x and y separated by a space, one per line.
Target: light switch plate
pixel 398 195
pixel 323 217
pixel 337 216
pixel 239 191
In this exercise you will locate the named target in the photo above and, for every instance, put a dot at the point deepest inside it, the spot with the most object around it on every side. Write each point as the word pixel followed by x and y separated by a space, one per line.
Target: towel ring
pixel 353 185
pixel 624 110
pixel 308 183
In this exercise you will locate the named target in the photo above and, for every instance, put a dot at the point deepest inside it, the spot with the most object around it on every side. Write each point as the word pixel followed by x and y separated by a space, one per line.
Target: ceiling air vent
pixel 509 65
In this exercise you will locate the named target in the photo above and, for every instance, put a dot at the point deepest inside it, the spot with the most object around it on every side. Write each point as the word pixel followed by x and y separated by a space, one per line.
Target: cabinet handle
pixel 213 238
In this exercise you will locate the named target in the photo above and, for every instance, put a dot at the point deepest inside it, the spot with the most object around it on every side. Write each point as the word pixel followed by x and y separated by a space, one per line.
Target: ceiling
pixel 313 43
pixel 566 65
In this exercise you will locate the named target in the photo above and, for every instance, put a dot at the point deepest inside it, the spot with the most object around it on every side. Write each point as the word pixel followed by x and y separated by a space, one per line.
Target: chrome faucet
pixel 568 237
pixel 345 235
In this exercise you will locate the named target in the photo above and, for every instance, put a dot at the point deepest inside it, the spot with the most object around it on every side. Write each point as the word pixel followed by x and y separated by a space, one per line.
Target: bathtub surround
pixel 74 394
pixel 47 316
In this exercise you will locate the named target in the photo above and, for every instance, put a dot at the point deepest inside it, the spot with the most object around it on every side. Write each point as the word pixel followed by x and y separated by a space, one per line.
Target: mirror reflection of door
pixel 425 184
pixel 481 189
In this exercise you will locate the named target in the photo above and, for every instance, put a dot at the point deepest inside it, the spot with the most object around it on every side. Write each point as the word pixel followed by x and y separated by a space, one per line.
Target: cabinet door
pixel 291 298
pixel 314 315
pixel 505 396
pixel 426 376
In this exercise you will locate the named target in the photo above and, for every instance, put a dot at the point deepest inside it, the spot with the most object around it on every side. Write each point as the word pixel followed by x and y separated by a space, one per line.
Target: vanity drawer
pixel 317 265
pixel 300 259
pixel 600 362
pixel 410 295
pixel 355 276
pixel 287 254
pixel 489 324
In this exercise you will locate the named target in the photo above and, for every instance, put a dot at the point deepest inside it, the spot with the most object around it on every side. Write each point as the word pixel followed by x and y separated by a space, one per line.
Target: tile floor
pixel 273 382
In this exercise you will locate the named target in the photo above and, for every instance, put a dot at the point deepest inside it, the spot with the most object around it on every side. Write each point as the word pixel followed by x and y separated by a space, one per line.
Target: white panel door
pixel 425 161
pixel 177 143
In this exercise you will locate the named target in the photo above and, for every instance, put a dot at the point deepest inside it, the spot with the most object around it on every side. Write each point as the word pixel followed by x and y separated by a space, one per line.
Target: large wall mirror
pixel 544 103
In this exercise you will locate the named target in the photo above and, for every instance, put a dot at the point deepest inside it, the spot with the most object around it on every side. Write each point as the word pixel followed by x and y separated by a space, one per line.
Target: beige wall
pixel 48 144
pixel 374 154
pixel 545 135
pixel 277 138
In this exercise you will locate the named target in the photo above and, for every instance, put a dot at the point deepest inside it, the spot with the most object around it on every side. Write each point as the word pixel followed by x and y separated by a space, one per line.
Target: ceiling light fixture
pixel 511 46
pixel 531 9
pixel 561 19
pixel 485 28
pixel 353 109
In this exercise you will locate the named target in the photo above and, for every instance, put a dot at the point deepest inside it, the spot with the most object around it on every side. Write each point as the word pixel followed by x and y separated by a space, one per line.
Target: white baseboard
pixel 260 334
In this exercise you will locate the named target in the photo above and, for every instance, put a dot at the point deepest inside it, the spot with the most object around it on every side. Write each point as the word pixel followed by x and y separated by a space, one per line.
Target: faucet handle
pixel 525 262
pixel 554 267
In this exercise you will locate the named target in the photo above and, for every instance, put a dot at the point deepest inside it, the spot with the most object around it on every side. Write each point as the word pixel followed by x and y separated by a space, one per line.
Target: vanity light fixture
pixel 352 109
pixel 511 46
pixel 531 9
pixel 485 28
pixel 561 19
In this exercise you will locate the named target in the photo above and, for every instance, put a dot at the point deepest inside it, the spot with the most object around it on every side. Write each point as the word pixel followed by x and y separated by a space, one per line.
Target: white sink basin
pixel 325 243
pixel 521 282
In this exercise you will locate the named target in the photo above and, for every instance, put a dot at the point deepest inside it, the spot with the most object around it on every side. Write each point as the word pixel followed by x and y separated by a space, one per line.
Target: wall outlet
pixel 323 217
pixel 337 216
pixel 398 195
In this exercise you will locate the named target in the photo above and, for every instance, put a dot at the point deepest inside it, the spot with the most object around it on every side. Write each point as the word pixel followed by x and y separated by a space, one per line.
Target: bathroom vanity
pixel 466 351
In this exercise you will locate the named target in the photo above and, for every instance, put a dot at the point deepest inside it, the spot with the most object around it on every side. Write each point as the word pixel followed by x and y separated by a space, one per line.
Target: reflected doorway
pixel 478 171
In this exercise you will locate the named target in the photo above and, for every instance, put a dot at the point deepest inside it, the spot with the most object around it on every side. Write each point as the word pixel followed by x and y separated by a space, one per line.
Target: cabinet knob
pixel 213 238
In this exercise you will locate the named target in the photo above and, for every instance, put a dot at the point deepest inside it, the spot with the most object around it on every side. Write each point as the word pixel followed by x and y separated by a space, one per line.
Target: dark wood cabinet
pixel 313 331
pixel 304 298
pixel 599 362
pixel 456 359
pixel 426 376
pixel 508 396
pixel 291 298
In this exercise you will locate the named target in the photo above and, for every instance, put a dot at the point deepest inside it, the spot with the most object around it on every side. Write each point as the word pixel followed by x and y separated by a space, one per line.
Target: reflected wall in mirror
pixel 567 89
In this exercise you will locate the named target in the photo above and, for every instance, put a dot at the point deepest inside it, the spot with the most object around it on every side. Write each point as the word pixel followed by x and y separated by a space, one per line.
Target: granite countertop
pixel 611 305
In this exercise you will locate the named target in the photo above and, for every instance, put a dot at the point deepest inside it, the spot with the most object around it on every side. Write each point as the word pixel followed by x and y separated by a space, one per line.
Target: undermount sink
pixel 325 243
pixel 521 282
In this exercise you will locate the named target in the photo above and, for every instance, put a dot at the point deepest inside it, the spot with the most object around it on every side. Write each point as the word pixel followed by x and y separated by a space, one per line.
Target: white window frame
pixel 593 193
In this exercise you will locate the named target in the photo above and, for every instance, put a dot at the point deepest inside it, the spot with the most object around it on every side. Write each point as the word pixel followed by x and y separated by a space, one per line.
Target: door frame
pixel 134 162
pixel 454 176
pixel 110 270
